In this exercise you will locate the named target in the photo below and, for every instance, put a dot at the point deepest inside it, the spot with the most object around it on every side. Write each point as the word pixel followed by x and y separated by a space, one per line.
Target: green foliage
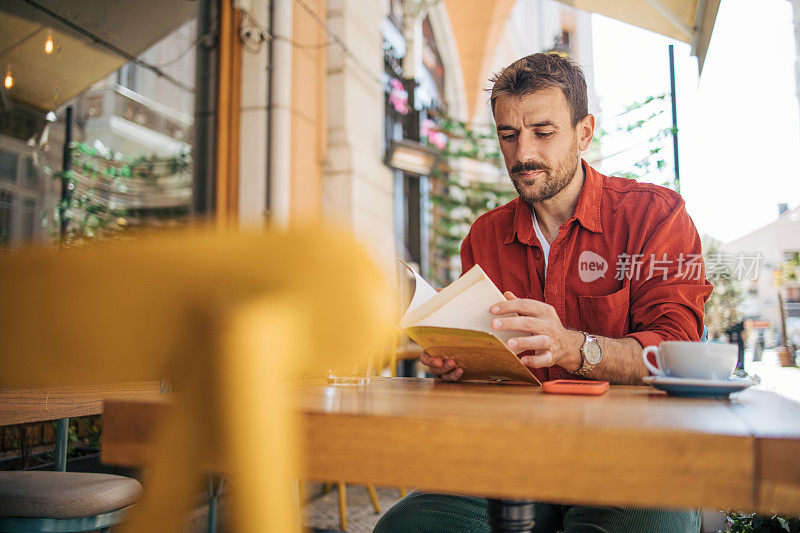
pixel 458 201
pixel 753 523
pixel 789 268
pixel 635 119
pixel 72 437
pixel 721 309
pixel 98 176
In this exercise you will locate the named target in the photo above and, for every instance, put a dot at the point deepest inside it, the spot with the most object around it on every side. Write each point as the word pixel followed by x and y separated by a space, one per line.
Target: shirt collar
pixel 587 209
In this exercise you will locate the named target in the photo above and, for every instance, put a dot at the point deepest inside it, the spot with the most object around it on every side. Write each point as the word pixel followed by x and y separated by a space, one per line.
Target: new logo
pixel 591 266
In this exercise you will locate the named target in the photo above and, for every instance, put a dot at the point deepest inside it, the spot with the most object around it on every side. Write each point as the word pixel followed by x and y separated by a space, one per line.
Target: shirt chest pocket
pixel 606 315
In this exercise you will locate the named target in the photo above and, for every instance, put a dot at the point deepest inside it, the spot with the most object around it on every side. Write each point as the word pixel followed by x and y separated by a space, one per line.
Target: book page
pixel 464 304
pixel 470 310
pixel 423 292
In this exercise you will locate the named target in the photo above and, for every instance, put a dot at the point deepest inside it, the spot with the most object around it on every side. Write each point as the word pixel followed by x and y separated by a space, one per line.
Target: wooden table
pixel 23 406
pixel 632 446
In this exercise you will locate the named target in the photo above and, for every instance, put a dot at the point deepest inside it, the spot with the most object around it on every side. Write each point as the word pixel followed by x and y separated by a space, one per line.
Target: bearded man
pixel 595 267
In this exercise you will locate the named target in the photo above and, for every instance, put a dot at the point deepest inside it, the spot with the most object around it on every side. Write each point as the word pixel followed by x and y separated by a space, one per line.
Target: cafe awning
pixel 689 21
pixel 46 81
pixel 477 26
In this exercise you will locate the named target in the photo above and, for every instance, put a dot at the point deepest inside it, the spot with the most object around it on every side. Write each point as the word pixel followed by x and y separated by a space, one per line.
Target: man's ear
pixel 585 132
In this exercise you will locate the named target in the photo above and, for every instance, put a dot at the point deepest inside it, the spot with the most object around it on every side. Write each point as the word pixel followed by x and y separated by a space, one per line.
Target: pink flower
pixel 398 97
pixel 438 139
pixel 427 127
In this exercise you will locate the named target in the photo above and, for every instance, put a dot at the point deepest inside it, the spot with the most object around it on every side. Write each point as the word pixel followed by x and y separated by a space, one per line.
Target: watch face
pixel 592 352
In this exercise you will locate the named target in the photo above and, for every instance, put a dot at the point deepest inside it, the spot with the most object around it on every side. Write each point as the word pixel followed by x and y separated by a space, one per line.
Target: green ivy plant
pixel 457 200
pixel 97 175
pixel 634 119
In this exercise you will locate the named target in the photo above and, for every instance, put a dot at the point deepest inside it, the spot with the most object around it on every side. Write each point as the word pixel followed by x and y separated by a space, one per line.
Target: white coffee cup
pixel 698 360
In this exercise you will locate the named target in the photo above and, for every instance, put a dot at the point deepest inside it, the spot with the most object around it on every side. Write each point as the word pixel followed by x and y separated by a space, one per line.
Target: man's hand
pixel 443 368
pixel 439 367
pixel 552 343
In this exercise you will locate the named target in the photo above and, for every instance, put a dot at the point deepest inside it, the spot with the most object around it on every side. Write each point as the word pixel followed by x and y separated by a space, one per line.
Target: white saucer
pixel 699 388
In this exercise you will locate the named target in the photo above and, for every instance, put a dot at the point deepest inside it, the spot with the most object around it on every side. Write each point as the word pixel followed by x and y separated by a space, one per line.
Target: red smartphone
pixel 575 386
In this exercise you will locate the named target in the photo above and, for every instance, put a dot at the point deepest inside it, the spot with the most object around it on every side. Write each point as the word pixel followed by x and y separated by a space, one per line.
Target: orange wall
pixel 309 112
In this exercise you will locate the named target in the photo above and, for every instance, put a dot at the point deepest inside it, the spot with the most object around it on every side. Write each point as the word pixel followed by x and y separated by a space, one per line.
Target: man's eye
pixel 544 133
pixel 509 137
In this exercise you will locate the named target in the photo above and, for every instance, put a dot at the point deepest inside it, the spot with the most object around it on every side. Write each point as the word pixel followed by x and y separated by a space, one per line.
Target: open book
pixel 456 324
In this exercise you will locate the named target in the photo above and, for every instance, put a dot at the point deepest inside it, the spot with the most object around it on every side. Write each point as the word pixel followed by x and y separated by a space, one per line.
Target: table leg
pixel 214 490
pixel 62 442
pixel 511 516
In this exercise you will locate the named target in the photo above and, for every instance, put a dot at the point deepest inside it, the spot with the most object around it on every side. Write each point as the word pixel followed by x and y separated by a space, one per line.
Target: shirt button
pixel 537 253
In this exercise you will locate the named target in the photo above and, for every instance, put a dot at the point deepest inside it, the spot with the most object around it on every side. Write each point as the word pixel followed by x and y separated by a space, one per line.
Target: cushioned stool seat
pixel 64 494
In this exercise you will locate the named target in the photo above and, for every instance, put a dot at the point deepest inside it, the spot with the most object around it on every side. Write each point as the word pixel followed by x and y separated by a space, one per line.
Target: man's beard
pixel 555 180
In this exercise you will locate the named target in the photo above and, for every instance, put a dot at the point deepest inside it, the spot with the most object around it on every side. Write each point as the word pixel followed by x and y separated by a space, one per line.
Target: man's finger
pixel 453 375
pixel 528 324
pixel 448 365
pixel 523 306
pixel 531 342
pixel 542 360
pixel 509 295
pixel 430 361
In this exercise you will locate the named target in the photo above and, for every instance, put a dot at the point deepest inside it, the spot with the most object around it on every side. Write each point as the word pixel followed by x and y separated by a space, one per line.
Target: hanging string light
pixel 48 44
pixel 8 79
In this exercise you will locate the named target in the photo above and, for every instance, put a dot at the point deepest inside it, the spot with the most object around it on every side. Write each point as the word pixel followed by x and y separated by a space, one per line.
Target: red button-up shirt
pixel 627 264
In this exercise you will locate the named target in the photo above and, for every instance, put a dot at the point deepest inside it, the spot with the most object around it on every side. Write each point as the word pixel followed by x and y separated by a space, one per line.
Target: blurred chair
pixel 402 349
pixel 39 501
pixel 341 488
pixel 228 320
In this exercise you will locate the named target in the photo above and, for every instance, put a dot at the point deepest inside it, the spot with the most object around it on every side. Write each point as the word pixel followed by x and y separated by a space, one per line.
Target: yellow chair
pixel 402 349
pixel 229 320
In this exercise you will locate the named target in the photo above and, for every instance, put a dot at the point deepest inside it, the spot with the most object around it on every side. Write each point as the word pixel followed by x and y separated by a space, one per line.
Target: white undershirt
pixel 542 240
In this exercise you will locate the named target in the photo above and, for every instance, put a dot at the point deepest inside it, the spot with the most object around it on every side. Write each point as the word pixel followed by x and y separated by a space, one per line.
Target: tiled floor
pixel 322 513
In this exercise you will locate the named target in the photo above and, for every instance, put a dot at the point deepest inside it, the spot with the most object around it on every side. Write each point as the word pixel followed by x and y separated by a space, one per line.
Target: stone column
pixel 253 124
pixel 357 185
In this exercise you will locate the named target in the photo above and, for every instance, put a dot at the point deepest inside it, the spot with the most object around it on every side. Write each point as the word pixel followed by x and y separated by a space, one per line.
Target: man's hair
pixel 542 71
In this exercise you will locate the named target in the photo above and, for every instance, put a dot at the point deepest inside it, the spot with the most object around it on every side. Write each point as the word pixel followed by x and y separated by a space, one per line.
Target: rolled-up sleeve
pixel 668 282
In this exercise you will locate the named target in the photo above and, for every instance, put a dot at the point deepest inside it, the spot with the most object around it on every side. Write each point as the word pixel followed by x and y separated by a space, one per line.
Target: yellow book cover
pixel 482 355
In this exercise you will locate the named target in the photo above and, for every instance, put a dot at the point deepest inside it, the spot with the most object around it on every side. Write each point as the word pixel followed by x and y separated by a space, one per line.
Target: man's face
pixel 540 146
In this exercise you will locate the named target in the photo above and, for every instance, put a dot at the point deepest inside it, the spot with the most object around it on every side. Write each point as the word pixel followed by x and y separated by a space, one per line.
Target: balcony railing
pixel 129 105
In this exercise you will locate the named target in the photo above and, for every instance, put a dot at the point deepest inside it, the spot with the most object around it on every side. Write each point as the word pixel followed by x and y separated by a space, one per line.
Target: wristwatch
pixel 591 355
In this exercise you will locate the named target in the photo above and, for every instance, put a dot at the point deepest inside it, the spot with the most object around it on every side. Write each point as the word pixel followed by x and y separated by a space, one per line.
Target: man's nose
pixel 527 149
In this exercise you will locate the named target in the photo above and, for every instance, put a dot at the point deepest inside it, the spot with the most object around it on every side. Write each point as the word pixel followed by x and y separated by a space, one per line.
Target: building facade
pixel 314 115
pixel 762 252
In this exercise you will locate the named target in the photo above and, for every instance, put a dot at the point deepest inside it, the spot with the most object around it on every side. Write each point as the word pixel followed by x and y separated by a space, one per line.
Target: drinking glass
pixel 354 374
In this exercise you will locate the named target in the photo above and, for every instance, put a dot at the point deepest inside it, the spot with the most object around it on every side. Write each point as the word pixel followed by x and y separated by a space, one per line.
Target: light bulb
pixel 8 79
pixel 48 44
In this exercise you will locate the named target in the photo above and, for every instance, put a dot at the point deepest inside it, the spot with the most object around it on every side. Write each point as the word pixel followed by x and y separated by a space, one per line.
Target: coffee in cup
pixel 697 360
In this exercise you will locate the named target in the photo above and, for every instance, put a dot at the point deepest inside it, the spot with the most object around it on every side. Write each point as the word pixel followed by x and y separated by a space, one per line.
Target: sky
pixel 739 124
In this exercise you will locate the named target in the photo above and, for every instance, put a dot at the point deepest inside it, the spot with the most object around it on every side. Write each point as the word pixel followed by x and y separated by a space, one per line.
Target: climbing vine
pixel 109 192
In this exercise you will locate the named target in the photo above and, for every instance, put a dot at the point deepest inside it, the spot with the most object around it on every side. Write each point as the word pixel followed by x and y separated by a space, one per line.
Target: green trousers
pixel 422 512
